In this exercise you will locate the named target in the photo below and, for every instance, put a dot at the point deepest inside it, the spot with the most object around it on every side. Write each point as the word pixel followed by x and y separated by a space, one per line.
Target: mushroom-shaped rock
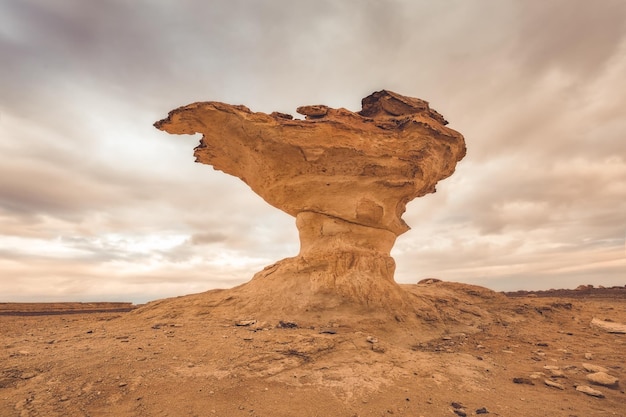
pixel 346 177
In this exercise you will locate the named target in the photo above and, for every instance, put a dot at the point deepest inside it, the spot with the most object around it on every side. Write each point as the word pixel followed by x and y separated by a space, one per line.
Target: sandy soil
pixel 470 352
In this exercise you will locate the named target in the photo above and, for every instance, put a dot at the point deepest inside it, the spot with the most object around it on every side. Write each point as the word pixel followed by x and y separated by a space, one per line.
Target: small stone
pixel 588 356
pixel 287 325
pixel 456 405
pixel 245 323
pixel 589 367
pixel 482 410
pixel 460 412
pixel 556 373
pixel 551 367
pixel 28 375
pixel 371 339
pixel 122 384
pixel 602 378
pixel 64 398
pixel 553 384
pixel 589 391
pixel 525 381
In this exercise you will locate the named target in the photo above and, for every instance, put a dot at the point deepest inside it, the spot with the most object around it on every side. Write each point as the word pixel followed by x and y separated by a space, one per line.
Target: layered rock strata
pixel 346 177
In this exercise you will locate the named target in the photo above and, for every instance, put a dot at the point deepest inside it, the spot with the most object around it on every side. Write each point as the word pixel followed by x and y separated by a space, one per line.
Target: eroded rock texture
pixel 346 177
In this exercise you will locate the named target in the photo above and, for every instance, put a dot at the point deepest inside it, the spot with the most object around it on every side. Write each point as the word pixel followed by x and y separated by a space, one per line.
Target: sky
pixel 96 204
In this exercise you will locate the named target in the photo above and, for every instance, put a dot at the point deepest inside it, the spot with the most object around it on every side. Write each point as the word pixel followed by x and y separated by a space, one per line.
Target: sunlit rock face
pixel 346 177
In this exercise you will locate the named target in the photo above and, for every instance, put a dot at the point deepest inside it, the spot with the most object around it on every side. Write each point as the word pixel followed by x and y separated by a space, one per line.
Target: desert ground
pixel 470 351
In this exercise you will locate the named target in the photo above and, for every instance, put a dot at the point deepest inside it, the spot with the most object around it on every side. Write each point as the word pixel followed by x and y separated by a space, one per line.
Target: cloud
pixel 86 181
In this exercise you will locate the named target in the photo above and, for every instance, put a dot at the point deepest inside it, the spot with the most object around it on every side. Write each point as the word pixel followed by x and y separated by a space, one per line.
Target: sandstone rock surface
pixel 346 177
pixel 602 378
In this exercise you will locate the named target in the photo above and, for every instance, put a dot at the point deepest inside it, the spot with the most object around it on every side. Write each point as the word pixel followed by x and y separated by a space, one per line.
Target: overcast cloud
pixel 96 204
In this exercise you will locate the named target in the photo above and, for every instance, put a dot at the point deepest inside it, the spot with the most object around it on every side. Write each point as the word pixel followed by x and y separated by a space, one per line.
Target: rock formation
pixel 346 177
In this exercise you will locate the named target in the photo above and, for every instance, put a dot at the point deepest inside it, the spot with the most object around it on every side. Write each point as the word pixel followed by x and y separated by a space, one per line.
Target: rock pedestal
pixel 346 177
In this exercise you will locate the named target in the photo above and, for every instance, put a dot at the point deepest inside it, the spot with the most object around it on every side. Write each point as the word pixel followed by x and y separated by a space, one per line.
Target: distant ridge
pixel 45 309
pixel 583 291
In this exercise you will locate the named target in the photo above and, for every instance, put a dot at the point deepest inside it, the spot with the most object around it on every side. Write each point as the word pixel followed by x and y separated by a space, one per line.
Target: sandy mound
pixel 463 349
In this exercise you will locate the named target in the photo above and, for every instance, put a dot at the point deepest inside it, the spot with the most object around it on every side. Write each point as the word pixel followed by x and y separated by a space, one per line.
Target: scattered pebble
pixel 525 381
pixel 287 325
pixel 122 384
pixel 553 384
pixel 245 323
pixel 589 391
pixel 458 409
pixel 372 339
pixel 482 410
pixel 588 356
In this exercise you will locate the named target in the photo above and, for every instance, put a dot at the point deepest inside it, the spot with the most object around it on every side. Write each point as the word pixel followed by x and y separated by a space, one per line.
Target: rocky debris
pixel 245 323
pixel 345 176
pixel 589 356
pixel 314 111
pixel 522 380
pixel 287 325
pixel 458 409
pixel 589 367
pixel 428 281
pixel 371 339
pixel 482 410
pixel 553 384
pixel 602 378
pixel 585 389
pixel 609 326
